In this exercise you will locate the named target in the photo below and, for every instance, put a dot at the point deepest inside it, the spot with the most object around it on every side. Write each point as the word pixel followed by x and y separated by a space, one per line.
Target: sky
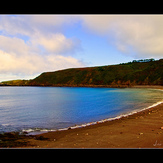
pixel 32 44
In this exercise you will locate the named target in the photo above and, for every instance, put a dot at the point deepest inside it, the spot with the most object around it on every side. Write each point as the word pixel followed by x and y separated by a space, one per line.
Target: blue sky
pixel 32 44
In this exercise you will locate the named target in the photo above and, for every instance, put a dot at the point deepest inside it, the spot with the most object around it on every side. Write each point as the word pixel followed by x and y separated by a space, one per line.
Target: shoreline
pixel 132 131
pixel 85 136
pixel 42 131
pixel 90 86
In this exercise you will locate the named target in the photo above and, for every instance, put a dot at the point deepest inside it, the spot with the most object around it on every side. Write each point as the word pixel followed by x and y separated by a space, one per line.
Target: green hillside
pixel 137 72
pixel 15 82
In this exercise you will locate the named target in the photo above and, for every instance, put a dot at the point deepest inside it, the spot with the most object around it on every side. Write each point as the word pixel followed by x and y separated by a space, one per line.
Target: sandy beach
pixel 140 130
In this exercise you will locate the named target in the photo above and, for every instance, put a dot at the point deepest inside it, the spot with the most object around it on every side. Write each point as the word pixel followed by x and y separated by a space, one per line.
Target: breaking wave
pixel 39 131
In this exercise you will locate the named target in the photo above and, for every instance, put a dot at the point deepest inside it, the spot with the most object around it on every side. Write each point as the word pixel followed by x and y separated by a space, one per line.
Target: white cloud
pixel 97 23
pixel 132 35
pixel 13 25
pixel 51 21
pixel 35 64
pixel 46 49
pixel 31 25
pixel 57 43
pixel 136 35
pixel 13 45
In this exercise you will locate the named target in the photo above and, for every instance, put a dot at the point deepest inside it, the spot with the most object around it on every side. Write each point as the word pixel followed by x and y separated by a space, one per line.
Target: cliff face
pixel 147 72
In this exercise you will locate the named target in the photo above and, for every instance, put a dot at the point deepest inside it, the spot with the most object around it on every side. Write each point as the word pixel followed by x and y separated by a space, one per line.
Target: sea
pixel 35 110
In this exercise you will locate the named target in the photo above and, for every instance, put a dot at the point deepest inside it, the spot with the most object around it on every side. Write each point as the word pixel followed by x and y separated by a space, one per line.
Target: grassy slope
pixel 135 73
pixel 15 82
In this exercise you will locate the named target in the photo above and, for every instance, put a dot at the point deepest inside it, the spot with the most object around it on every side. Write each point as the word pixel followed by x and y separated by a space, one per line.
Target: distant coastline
pixel 90 86
pixel 146 72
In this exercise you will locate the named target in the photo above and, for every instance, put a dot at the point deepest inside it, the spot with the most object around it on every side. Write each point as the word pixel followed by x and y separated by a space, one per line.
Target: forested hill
pixel 137 72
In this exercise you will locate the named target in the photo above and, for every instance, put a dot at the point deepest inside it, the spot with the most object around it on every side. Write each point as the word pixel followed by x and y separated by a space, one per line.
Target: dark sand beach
pixel 140 130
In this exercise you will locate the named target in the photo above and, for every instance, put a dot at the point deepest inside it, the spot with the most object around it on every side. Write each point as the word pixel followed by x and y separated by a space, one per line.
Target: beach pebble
pixel 141 133
pixel 161 128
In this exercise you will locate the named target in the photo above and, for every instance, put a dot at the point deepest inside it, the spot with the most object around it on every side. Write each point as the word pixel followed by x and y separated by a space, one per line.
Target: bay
pixel 35 109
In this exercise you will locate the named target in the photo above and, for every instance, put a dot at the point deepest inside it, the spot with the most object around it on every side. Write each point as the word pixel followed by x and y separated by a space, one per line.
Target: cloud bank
pixel 134 35
pixel 33 44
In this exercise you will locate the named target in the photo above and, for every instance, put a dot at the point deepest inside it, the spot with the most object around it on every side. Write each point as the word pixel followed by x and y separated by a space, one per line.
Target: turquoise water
pixel 35 109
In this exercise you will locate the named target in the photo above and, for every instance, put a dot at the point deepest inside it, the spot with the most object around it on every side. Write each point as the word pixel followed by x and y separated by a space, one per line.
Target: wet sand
pixel 140 130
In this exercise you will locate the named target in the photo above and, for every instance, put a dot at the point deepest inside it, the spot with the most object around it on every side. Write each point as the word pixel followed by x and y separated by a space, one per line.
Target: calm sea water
pixel 50 108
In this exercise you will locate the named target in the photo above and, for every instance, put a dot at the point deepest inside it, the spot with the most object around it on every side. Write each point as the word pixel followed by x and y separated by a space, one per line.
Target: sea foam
pixel 111 119
pixel 37 131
